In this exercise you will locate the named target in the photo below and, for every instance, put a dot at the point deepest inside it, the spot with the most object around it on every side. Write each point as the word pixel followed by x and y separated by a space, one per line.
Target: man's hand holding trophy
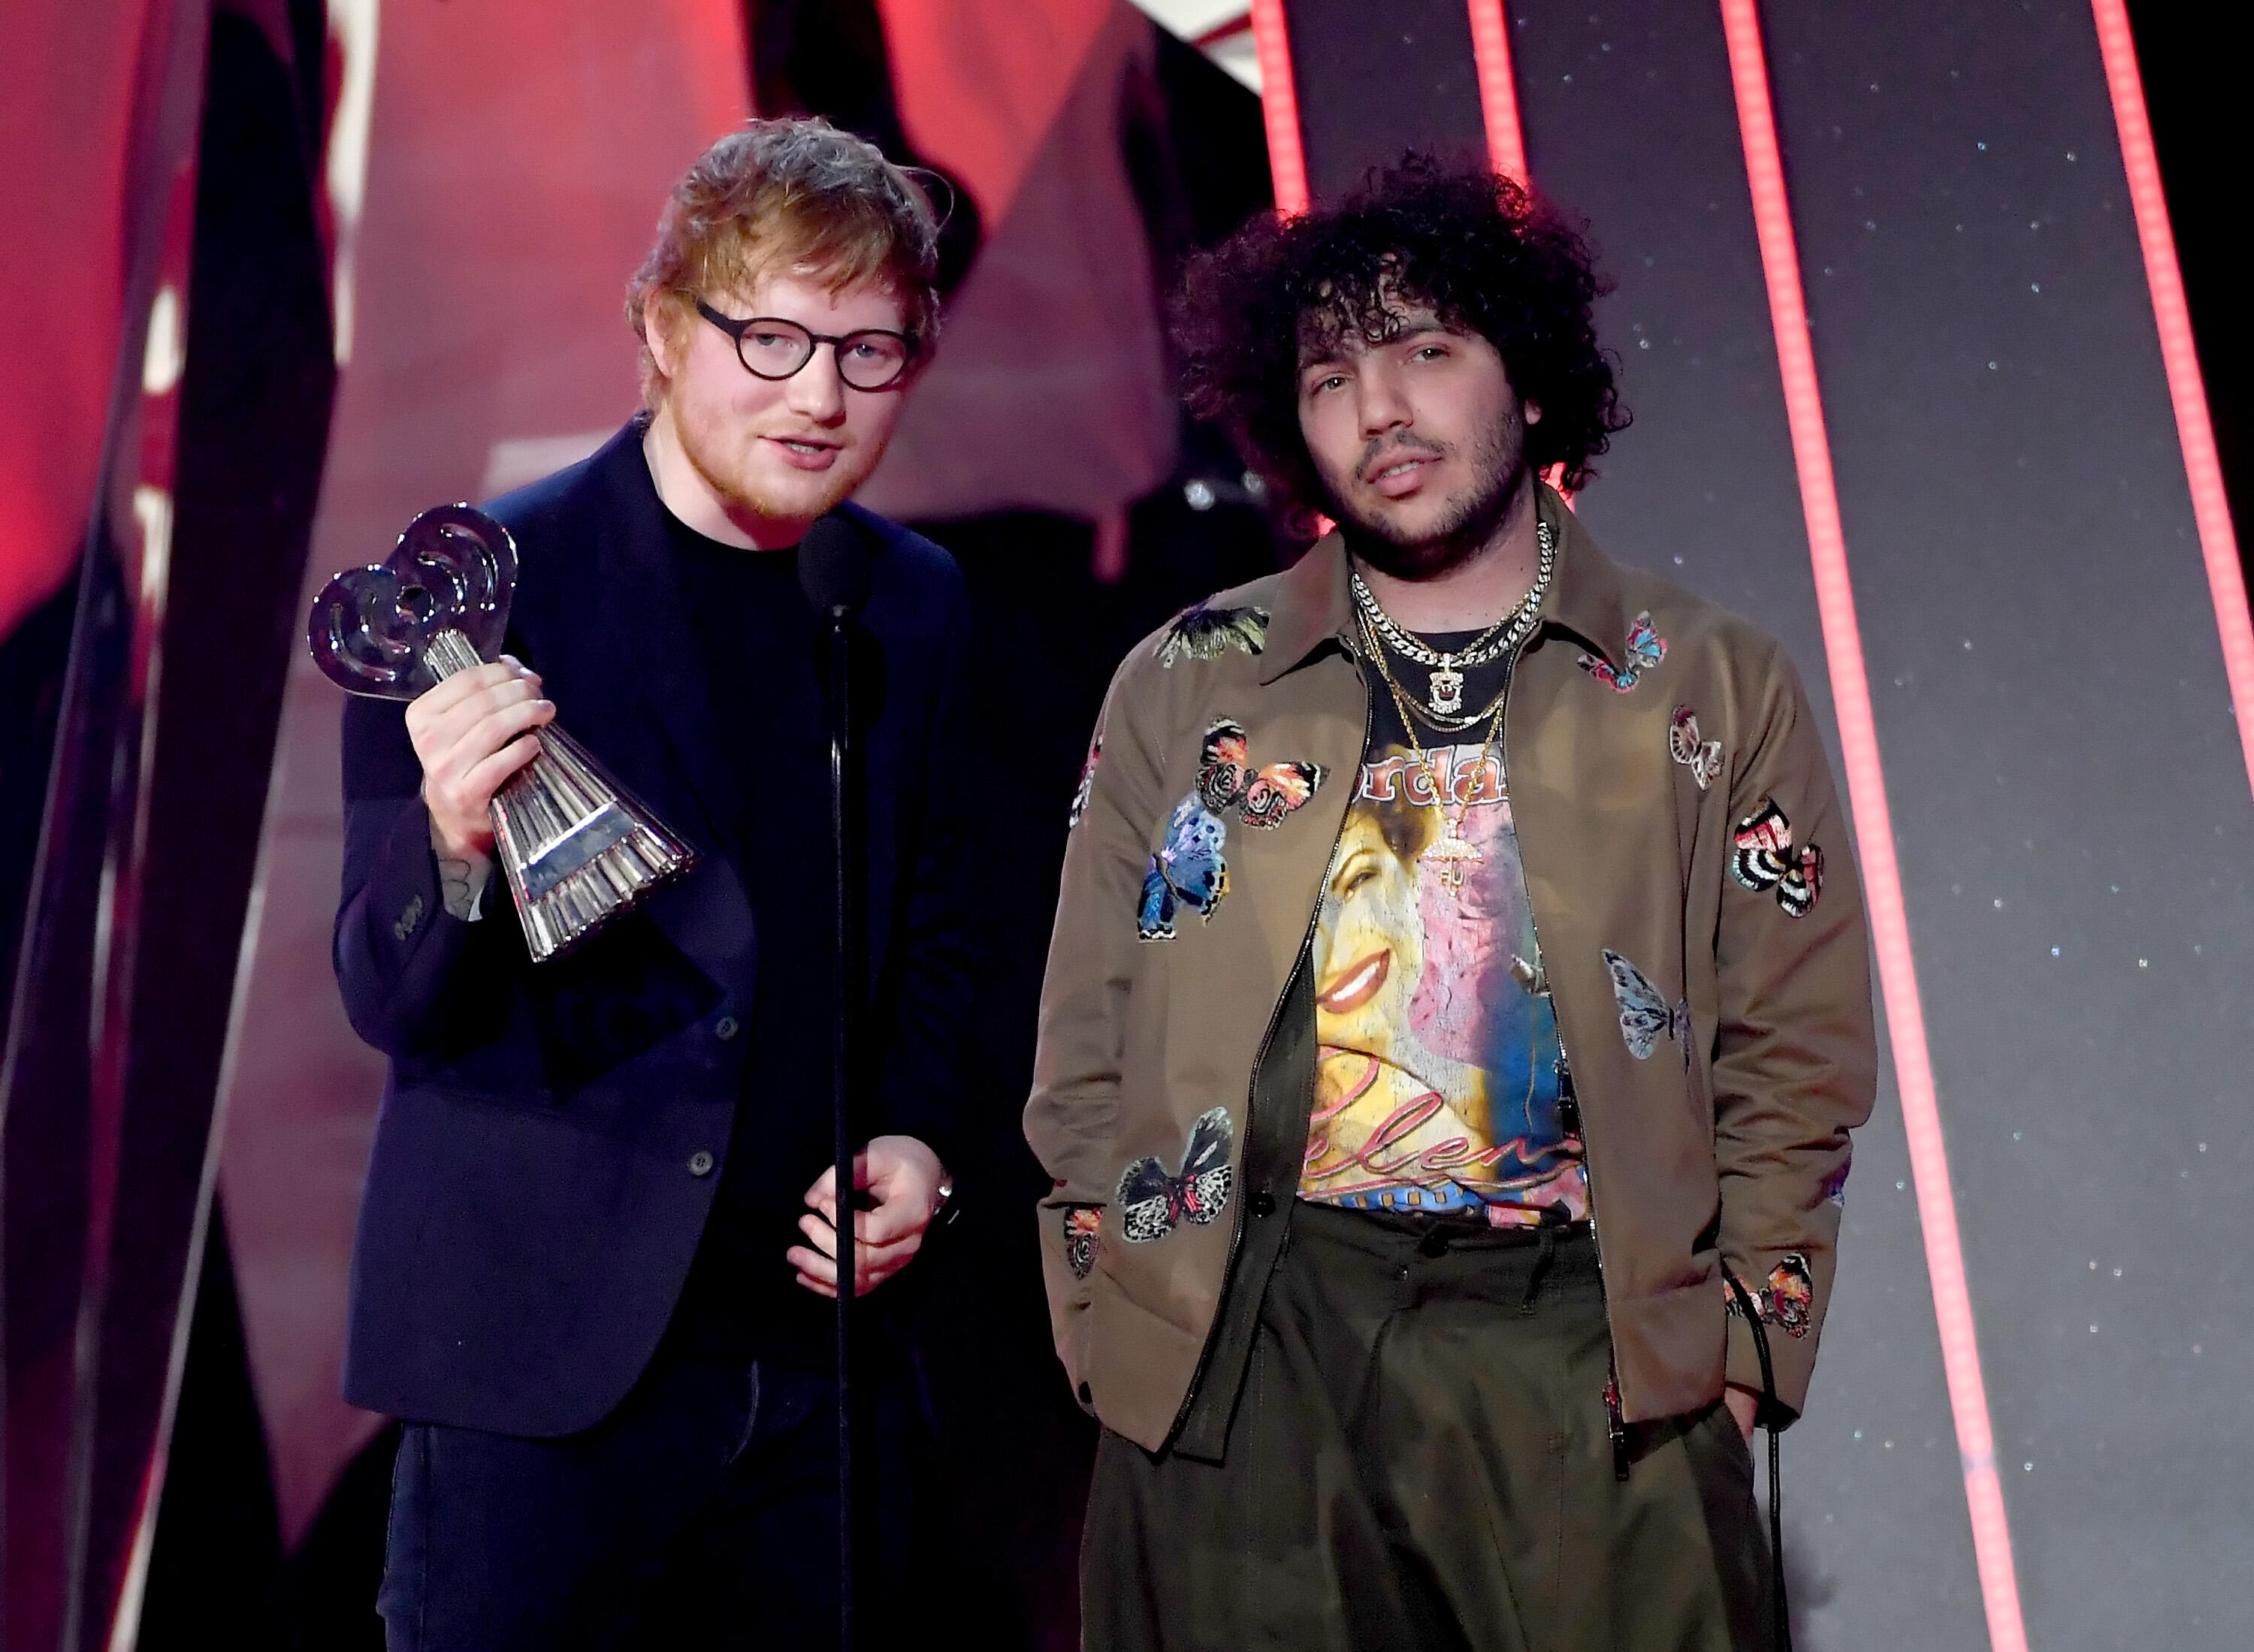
pixel 500 780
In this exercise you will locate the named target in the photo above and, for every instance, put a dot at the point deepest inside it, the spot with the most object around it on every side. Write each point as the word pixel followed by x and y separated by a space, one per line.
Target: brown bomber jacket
pixel 1727 1139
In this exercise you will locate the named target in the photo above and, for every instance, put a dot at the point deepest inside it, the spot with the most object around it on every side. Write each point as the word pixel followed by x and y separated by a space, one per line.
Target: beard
pixel 724 470
pixel 1466 526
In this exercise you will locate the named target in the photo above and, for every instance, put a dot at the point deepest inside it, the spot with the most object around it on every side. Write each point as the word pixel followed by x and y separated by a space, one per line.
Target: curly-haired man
pixel 1340 1118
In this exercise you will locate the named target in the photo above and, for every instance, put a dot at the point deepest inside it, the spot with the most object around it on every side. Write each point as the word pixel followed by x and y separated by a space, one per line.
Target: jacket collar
pixel 647 621
pixel 1313 606
pixel 1585 601
pixel 1314 602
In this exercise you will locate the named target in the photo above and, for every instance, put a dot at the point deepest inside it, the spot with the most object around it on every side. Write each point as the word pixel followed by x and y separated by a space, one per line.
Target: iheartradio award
pixel 576 848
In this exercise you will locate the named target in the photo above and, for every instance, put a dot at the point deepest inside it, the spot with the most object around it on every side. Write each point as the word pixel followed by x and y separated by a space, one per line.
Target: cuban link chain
pixel 1445 694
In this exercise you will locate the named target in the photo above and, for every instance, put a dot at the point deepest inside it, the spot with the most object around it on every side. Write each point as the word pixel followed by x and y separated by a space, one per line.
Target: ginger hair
pixel 788 196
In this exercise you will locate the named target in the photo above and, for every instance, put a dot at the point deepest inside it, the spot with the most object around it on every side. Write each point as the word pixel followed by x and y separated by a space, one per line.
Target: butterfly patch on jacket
pixel 1201 631
pixel 1762 856
pixel 1153 1201
pixel 1645 648
pixel 1645 1017
pixel 1702 758
pixel 1083 1227
pixel 1086 787
pixel 1262 797
pixel 1788 1301
pixel 1191 868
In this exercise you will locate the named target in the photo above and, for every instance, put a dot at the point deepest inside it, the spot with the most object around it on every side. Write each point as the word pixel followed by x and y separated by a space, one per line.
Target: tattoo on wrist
pixel 458 884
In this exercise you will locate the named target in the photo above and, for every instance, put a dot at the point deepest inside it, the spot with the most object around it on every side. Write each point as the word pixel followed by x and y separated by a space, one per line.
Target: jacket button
pixel 1263 1203
pixel 727 1027
pixel 700 1163
pixel 1085 1398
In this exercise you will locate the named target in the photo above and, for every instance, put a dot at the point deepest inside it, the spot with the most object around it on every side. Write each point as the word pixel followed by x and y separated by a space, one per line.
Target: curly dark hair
pixel 1484 253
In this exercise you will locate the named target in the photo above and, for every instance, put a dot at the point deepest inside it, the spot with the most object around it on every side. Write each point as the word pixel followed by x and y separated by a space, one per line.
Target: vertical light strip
pixel 1506 138
pixel 2210 505
pixel 1867 792
pixel 1279 107
pixel 351 117
pixel 1506 142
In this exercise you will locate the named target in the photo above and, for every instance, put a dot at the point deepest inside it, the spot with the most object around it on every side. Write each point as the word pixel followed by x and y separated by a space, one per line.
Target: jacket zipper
pixel 1267 1038
pixel 1615 1420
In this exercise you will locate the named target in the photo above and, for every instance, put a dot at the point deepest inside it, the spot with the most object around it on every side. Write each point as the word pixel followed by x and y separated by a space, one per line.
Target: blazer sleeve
pixel 1072 1117
pixel 1796 1063
pixel 399 956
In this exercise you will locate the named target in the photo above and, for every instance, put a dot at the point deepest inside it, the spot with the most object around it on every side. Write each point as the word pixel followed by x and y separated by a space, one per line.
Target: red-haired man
pixel 596 1246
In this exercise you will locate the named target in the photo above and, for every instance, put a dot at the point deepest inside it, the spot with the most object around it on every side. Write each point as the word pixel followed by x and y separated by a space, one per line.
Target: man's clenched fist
pixel 471 732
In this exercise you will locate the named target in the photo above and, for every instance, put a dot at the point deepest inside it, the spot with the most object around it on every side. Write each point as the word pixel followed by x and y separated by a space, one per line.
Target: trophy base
pixel 575 847
pixel 575 850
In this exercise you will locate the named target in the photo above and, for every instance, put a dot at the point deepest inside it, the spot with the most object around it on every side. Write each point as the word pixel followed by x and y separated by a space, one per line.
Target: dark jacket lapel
pixel 641 628
pixel 616 624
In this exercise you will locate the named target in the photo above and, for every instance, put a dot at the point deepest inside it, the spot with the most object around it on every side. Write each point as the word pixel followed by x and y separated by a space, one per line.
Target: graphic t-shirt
pixel 1439 1073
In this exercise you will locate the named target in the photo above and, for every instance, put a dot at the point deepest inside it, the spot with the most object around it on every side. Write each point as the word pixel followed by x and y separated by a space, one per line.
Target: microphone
pixel 834 565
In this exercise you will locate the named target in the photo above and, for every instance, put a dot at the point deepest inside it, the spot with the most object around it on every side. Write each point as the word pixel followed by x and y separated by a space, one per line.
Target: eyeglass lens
pixel 776 349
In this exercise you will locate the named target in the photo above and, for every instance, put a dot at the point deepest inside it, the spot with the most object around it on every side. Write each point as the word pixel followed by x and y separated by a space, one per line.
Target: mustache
pixel 1389 448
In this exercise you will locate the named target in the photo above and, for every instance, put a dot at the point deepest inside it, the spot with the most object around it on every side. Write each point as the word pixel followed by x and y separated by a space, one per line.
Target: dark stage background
pixel 395 237
pixel 2070 801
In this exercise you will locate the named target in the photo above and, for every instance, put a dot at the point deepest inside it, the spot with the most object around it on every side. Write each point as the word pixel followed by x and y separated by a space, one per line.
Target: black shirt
pixel 756 638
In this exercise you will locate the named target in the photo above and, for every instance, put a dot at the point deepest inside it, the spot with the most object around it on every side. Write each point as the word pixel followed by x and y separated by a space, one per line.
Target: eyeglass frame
pixel 736 329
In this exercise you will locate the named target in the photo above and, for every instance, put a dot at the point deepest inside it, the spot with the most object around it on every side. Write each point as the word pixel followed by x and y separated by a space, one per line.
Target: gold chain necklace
pixel 1446 693
pixel 1453 849
pixel 1413 711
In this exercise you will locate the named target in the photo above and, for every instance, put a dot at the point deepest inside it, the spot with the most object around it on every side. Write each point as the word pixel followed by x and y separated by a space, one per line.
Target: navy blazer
pixel 551 1135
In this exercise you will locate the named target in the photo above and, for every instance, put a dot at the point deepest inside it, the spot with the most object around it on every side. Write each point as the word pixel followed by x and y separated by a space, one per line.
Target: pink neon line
pixel 1867 793
pixel 1279 107
pixel 1505 141
pixel 2210 505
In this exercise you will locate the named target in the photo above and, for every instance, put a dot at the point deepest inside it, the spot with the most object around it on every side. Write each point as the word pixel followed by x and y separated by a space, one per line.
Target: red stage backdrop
pixel 515 159
pixel 61 285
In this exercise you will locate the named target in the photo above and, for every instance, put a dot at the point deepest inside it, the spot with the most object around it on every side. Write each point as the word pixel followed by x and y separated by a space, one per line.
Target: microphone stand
pixel 834 573
pixel 846 811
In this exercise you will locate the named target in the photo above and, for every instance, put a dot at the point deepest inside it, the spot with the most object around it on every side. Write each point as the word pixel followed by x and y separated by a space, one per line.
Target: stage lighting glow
pixel 1867 793
pixel 1279 107
pixel 2210 506
pixel 1506 142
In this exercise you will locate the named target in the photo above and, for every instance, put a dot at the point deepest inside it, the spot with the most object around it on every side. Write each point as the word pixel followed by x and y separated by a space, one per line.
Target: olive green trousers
pixel 1420 1459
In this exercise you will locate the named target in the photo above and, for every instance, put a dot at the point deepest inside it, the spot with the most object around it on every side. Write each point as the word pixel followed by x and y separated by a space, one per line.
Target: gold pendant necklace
pixel 1447 690
pixel 1453 849
pixel 1444 693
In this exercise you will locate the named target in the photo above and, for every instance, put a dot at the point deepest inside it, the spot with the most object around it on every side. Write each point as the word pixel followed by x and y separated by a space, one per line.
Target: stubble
pixel 1468 526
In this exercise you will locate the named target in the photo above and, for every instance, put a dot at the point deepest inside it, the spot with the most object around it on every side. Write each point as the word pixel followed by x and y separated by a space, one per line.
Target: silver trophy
pixel 575 847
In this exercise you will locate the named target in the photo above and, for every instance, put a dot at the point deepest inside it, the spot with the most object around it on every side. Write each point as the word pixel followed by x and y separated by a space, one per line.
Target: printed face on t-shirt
pixel 1369 939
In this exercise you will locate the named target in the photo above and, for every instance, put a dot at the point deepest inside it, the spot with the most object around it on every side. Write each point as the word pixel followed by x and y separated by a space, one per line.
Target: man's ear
pixel 660 323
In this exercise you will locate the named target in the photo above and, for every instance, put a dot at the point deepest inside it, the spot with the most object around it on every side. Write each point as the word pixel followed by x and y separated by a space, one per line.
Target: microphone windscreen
pixel 834 565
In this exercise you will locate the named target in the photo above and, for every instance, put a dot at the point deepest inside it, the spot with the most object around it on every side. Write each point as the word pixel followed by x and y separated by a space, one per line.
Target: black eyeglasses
pixel 771 347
